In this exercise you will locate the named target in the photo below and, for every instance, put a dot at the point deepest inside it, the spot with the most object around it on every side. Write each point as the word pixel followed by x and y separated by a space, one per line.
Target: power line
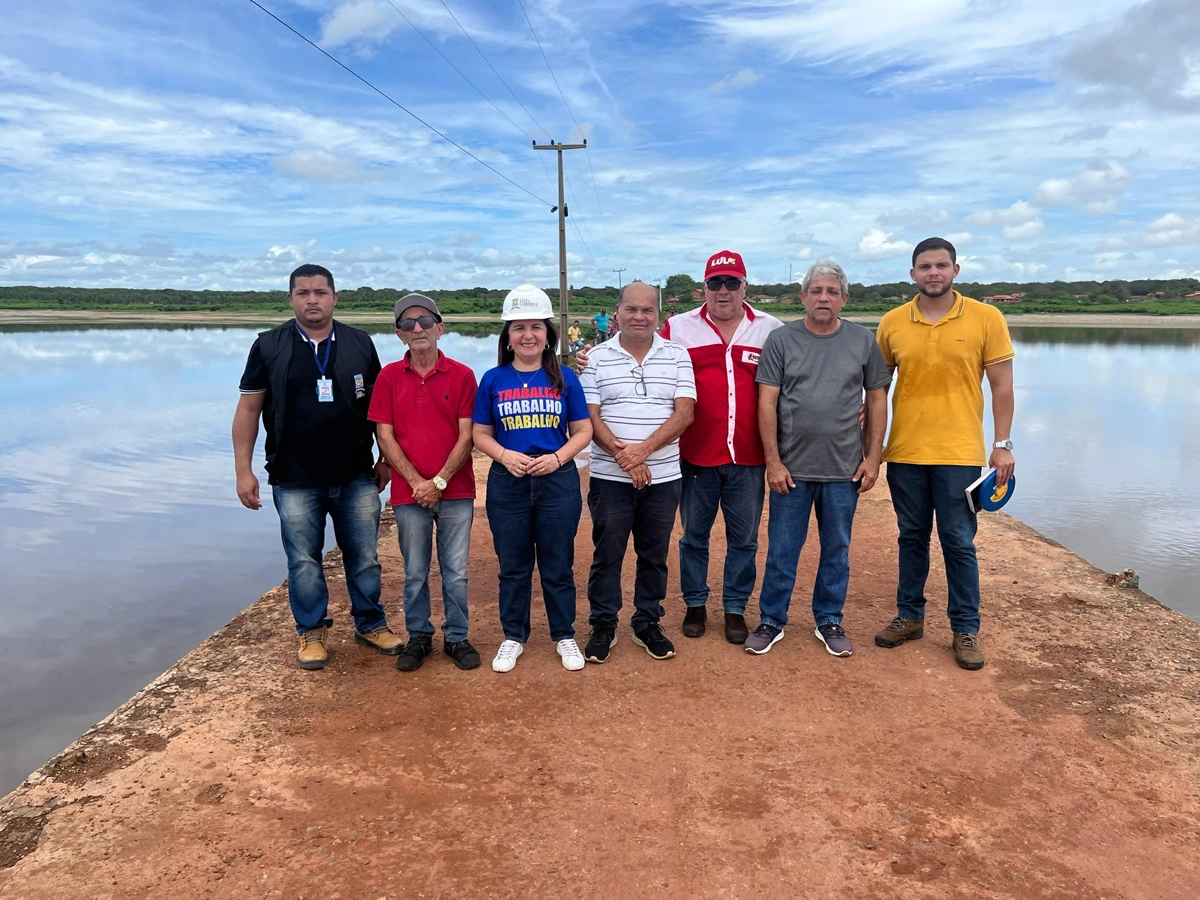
pixel 570 112
pixel 399 105
pixel 436 50
pixel 552 75
pixel 494 72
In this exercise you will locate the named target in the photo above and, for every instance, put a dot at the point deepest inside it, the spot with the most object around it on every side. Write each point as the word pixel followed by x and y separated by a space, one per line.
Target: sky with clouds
pixel 202 145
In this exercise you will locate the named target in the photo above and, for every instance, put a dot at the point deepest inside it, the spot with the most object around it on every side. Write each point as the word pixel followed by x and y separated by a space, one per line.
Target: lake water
pixel 126 545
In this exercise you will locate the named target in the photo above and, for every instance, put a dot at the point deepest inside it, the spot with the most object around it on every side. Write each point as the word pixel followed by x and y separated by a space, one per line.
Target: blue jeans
pixel 354 509
pixel 535 517
pixel 414 528
pixel 918 494
pixel 739 491
pixel 787 528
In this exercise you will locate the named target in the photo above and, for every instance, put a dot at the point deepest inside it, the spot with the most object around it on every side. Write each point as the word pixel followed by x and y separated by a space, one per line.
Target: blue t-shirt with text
pixel 527 414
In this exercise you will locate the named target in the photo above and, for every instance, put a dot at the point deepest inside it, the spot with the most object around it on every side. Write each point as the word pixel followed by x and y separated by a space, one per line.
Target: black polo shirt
pixel 322 443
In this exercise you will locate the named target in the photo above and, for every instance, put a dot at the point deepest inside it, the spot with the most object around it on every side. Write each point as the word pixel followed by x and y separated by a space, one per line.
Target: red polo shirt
pixel 424 414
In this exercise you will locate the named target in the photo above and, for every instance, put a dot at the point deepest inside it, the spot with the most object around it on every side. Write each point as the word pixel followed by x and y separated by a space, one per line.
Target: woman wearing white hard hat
pixel 531 418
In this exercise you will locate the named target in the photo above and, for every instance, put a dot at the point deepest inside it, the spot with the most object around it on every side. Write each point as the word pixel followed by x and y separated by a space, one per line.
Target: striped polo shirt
pixel 636 399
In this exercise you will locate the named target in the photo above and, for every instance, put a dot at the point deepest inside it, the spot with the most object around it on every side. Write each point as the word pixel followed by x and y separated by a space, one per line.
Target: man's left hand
pixel 632 455
pixel 426 493
pixel 1004 464
pixel 866 474
pixel 383 474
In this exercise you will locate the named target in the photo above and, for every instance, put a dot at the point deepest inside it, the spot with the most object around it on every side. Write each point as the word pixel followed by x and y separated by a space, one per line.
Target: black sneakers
pixel 600 642
pixel 414 653
pixel 464 655
pixel 652 638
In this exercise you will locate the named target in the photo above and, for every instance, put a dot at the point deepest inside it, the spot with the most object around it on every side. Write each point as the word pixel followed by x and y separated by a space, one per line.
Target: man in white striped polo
pixel 641 396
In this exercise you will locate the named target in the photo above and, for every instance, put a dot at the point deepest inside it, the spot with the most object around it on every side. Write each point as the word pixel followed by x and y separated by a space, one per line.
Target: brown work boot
pixel 312 654
pixel 898 631
pixel 695 621
pixel 736 631
pixel 382 640
pixel 966 650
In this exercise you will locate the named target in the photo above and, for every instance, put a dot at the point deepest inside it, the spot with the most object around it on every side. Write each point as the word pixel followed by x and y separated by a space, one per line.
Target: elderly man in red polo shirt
pixel 422 406
pixel 722 455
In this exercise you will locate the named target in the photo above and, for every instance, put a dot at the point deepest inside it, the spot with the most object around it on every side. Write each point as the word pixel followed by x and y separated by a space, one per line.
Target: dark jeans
pixel 617 510
pixel 535 517
pixel 787 529
pixel 919 493
pixel 739 491
pixel 354 509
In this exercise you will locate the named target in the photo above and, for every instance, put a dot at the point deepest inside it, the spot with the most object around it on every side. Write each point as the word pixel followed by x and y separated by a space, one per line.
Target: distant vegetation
pixel 1149 297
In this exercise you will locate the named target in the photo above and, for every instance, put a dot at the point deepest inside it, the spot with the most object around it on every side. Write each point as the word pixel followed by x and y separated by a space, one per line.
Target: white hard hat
pixel 526 302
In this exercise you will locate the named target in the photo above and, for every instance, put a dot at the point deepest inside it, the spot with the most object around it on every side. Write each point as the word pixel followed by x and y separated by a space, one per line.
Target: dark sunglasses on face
pixel 426 322
pixel 729 282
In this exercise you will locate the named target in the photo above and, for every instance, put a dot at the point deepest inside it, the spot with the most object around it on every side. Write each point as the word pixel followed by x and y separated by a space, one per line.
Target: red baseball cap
pixel 725 262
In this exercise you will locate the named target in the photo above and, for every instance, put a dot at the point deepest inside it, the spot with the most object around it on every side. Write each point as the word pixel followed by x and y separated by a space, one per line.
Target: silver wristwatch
pixel 439 482
pixel 1003 445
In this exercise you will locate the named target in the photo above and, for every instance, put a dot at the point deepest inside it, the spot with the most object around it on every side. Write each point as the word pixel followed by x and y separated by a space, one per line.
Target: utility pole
pixel 619 285
pixel 564 346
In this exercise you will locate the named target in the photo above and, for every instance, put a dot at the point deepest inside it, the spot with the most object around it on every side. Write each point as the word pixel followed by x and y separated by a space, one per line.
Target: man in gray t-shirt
pixel 811 376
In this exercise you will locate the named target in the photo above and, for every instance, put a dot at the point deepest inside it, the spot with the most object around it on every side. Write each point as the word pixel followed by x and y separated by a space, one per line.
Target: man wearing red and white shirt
pixel 721 451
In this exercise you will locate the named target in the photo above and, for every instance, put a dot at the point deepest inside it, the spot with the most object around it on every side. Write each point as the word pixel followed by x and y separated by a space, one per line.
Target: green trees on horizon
pixel 1155 296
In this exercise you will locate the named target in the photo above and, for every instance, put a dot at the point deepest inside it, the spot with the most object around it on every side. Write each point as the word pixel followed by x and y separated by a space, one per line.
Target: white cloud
pixel 1172 229
pixel 361 20
pixel 1020 213
pixel 736 82
pixel 878 244
pixel 321 165
pixel 1025 231
pixel 1097 187
pixel 462 239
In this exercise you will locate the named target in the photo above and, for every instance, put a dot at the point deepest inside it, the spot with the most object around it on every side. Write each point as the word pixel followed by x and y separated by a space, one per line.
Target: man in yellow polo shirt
pixel 942 344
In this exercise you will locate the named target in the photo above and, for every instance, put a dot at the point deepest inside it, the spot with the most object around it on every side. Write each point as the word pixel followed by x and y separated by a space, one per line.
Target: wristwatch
pixel 1003 445
pixel 439 482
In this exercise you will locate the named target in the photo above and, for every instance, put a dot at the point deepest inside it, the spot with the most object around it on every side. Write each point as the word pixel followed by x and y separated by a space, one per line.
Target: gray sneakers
pixel 763 639
pixel 834 639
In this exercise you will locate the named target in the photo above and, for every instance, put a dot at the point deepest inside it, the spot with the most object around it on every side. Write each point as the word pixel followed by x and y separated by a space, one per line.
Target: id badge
pixel 324 390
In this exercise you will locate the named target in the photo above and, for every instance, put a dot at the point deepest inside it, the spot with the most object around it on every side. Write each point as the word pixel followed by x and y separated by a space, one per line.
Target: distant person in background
pixel 811 380
pixel 614 324
pixel 600 320
pixel 310 380
pixel 574 336
pixel 640 394
pixel 422 409
pixel 942 344
pixel 531 419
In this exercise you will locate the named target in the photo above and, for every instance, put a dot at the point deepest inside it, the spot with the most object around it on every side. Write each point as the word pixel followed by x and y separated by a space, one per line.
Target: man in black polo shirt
pixel 310 380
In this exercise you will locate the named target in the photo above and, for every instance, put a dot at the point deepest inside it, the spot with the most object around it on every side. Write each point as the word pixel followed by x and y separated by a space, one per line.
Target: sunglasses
pixel 426 322
pixel 729 282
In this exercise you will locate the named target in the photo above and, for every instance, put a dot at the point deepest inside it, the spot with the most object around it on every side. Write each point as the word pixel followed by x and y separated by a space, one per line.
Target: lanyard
pixel 321 364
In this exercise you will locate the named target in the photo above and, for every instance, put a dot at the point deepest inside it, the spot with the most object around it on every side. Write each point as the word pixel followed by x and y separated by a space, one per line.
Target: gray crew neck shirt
pixel 821 379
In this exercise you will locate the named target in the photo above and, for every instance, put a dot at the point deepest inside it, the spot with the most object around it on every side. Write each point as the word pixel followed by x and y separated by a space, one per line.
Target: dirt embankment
pixel 1068 767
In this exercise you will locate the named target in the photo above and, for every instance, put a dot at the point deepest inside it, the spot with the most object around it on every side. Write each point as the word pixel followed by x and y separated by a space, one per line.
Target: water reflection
pixel 127 545
pixel 126 542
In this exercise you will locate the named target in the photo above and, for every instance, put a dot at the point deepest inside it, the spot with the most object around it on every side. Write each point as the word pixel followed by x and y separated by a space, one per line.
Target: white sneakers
pixel 506 656
pixel 571 657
